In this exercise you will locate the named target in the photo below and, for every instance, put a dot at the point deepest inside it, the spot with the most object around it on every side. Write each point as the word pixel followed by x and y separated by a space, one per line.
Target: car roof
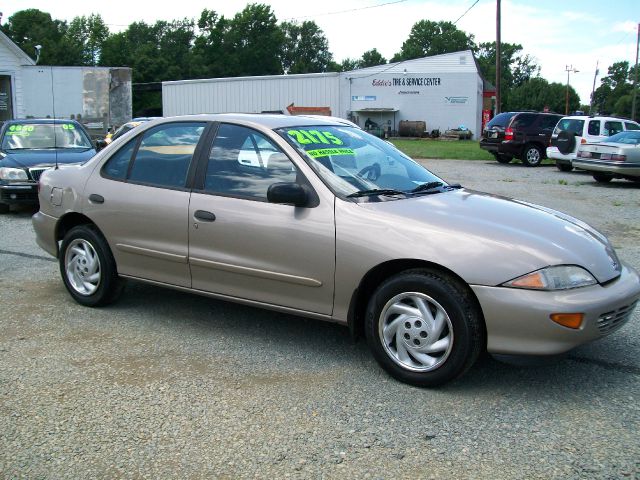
pixel 23 121
pixel 272 121
pixel 596 117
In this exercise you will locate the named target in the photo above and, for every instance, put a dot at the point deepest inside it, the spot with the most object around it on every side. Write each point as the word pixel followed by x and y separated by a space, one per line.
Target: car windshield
pixel 44 136
pixel 354 163
pixel 570 125
pixel 629 138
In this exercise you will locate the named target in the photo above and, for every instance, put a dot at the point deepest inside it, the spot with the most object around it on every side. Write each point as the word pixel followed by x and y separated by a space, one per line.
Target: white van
pixel 571 132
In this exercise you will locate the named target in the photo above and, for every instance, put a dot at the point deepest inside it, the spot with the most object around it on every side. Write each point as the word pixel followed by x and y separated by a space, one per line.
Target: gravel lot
pixel 168 385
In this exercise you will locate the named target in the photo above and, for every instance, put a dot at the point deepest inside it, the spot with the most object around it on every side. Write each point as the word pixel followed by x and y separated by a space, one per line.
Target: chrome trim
pixel 147 252
pixel 255 272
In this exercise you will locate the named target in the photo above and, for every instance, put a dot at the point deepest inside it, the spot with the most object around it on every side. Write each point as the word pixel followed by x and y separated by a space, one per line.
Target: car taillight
pixel 583 140
pixel 616 157
pixel 583 154
pixel 508 133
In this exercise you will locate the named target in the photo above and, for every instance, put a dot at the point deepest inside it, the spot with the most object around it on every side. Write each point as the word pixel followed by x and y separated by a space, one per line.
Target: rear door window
pixel 523 120
pixel 611 128
pixel 547 122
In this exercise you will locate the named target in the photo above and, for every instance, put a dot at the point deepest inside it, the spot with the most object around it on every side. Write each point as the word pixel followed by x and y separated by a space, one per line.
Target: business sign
pixel 363 98
pixel 456 100
pixel 407 82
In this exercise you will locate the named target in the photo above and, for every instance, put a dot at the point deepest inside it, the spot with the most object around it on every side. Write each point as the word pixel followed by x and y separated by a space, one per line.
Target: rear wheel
pixel 563 167
pixel 532 155
pixel 502 158
pixel 602 177
pixel 423 328
pixel 87 267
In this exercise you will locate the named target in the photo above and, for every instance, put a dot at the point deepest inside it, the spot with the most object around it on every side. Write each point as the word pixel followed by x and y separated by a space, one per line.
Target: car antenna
pixel 53 110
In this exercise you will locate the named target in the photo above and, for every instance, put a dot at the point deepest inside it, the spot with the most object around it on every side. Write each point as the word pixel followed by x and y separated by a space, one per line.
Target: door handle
pixel 95 198
pixel 204 216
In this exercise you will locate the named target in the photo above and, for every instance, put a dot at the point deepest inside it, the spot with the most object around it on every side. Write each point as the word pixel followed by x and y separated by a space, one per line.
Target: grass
pixel 453 150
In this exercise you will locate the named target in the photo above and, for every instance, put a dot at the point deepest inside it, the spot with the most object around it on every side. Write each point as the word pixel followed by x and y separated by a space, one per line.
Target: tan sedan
pixel 317 218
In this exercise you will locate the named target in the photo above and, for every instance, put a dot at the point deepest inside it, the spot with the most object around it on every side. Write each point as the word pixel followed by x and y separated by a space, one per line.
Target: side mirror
pixel 288 193
pixel 100 144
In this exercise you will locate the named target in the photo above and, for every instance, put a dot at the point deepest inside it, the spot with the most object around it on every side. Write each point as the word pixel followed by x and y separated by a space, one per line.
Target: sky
pixel 558 34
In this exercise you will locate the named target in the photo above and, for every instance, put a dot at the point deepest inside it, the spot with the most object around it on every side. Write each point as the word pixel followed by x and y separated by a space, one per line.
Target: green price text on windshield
pixel 306 137
pixel 325 152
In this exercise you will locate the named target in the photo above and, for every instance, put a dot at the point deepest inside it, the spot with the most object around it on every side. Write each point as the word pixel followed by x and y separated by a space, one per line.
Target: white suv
pixel 571 132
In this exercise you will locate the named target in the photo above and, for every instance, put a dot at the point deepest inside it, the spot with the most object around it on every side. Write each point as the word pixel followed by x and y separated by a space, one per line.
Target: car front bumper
pixel 19 193
pixel 620 168
pixel 518 321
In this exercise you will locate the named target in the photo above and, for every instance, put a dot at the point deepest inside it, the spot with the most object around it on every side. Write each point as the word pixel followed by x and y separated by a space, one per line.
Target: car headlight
pixel 7 173
pixel 561 277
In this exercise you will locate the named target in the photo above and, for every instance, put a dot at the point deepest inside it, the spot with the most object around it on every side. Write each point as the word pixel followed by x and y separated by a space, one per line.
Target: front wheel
pixel 532 155
pixel 423 328
pixel 87 267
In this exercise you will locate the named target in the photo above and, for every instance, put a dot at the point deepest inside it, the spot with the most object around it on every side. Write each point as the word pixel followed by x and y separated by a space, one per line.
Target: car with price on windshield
pixel 316 218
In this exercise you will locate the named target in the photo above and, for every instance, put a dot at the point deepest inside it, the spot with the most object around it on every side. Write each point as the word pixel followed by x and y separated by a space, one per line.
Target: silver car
pixel 327 221
pixel 617 156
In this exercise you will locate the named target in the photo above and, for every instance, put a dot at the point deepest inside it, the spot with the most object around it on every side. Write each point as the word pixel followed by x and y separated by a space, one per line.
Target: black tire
pixel 602 177
pixel 460 340
pixel 563 167
pixel 5 207
pixel 502 158
pixel 532 155
pixel 565 141
pixel 97 259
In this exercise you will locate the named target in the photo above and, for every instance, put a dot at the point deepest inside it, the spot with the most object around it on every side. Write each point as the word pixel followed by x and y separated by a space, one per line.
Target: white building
pixel 444 91
pixel 97 96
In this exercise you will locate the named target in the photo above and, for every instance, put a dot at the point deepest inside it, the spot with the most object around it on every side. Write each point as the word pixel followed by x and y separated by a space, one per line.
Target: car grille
pixel 18 196
pixel 36 172
pixel 610 321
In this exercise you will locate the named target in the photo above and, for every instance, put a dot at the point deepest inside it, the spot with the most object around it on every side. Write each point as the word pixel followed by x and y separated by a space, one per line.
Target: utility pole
pixel 635 79
pixel 569 69
pixel 593 89
pixel 498 55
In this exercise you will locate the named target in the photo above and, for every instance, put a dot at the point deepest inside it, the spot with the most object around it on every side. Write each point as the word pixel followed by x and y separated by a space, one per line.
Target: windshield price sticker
pixel 68 126
pixel 307 137
pixel 21 130
pixel 325 152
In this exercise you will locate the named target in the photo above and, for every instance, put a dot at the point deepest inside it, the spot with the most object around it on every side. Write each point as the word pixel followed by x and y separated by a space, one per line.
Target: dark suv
pixel 523 135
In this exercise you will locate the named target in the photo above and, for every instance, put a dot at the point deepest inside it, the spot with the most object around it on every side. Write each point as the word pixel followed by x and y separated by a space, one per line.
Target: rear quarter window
pixel 570 125
pixel 501 120
pixel 631 126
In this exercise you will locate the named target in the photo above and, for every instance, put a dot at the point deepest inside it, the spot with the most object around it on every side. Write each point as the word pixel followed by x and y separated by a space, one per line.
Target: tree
pixel 371 58
pixel 255 41
pixel 88 34
pixel 210 51
pixel 31 27
pixel 305 49
pixel 433 38
pixel 614 95
pixel 516 68
pixel 537 93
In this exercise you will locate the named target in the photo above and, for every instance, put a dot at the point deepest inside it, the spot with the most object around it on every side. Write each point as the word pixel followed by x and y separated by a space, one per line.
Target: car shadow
pixel 306 343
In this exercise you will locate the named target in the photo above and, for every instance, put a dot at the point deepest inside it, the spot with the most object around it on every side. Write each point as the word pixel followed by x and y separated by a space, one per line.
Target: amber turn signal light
pixel 569 320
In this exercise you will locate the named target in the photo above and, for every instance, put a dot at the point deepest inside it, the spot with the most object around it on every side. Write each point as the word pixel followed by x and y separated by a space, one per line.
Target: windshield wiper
pixel 426 187
pixel 376 191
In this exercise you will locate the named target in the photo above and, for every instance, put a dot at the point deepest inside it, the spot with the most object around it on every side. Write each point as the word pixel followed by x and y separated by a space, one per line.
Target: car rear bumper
pixel 620 168
pixel 518 321
pixel 19 193
pixel 45 228
pixel 489 145
pixel 554 154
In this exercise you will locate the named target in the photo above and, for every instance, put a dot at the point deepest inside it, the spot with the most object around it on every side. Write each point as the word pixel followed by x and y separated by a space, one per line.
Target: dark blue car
pixel 29 147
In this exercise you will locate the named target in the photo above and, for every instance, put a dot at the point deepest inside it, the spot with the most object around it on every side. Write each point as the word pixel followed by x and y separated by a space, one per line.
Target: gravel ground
pixel 167 385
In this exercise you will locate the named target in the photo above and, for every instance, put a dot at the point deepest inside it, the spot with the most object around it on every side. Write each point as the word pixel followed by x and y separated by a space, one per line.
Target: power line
pixel 347 11
pixel 474 4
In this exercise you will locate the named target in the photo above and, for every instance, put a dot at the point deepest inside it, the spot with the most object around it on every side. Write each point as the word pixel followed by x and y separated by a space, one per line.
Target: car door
pixel 242 246
pixel 140 201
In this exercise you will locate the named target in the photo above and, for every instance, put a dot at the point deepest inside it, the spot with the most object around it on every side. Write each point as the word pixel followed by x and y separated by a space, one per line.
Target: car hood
pixel 45 158
pixel 504 238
